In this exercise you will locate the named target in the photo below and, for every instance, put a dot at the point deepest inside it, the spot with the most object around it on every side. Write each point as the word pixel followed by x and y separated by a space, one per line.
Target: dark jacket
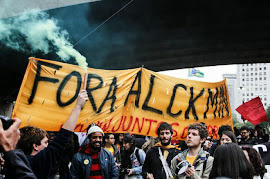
pixel 248 142
pixel 81 164
pixel 116 154
pixel 152 163
pixel 213 147
pixel 46 159
pixel 16 165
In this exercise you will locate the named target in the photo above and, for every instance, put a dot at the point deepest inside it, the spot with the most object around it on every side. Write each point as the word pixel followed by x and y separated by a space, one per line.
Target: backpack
pixel 204 163
pixel 137 155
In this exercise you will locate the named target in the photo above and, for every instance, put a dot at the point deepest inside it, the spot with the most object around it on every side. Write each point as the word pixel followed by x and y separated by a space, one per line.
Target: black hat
pixel 128 139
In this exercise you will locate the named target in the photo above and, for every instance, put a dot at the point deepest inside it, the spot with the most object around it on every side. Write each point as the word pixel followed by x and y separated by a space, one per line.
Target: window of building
pixel 251 94
pixel 256 89
pixel 255 79
pixel 243 79
pixel 255 69
pixel 265 104
pixel 264 73
pixel 264 88
pixel 260 78
pixel 264 78
pixel 243 69
pixel 264 68
pixel 251 79
pixel 260 68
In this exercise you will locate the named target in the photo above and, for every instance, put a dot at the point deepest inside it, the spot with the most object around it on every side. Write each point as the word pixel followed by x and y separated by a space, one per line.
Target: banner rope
pixel 103 22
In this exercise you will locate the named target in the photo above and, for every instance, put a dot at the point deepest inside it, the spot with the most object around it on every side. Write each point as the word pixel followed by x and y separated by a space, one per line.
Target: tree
pixel 268 113
pixel 236 122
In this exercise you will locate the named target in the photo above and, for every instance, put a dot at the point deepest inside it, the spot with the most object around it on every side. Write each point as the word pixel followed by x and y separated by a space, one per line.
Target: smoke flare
pixel 38 32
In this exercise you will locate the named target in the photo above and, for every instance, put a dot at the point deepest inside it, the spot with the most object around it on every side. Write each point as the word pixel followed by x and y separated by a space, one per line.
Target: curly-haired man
pixel 200 162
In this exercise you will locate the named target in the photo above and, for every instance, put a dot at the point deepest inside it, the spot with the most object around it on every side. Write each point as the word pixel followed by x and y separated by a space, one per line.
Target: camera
pixel 207 141
pixel 181 168
pixel 6 122
pixel 124 170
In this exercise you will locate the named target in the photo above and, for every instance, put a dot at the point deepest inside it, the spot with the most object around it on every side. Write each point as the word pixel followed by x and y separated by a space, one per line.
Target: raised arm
pixel 74 115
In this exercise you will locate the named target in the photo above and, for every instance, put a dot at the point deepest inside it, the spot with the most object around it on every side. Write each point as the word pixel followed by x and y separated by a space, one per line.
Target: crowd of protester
pixel 32 152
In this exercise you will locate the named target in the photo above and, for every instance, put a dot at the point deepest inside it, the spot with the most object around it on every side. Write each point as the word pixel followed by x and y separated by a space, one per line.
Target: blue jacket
pixel 81 169
pixel 137 164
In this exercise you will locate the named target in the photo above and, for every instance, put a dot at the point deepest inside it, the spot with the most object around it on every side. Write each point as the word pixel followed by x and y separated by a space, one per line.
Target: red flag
pixel 253 111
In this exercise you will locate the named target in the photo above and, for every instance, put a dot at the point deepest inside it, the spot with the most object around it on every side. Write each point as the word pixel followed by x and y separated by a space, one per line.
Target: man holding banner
pixel 34 141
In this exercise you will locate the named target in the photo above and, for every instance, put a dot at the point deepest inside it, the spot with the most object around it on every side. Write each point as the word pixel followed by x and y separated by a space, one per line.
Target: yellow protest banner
pixel 120 101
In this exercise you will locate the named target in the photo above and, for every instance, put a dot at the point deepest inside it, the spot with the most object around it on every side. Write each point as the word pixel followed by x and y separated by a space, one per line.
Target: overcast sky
pixel 211 73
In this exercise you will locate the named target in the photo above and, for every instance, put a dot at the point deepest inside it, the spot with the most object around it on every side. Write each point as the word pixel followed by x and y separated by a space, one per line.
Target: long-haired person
pixel 132 159
pixel 255 159
pixel 228 137
pixel 231 162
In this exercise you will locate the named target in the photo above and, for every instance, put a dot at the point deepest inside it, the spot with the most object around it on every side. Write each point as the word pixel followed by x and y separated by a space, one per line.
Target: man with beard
pixel 153 166
pixel 196 163
pixel 92 160
pixel 245 136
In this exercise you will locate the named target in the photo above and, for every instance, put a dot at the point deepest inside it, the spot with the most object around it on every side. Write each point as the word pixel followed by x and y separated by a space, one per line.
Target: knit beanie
pixel 95 129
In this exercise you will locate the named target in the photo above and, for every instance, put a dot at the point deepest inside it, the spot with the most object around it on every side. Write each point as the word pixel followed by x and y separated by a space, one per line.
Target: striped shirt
pixel 95 172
